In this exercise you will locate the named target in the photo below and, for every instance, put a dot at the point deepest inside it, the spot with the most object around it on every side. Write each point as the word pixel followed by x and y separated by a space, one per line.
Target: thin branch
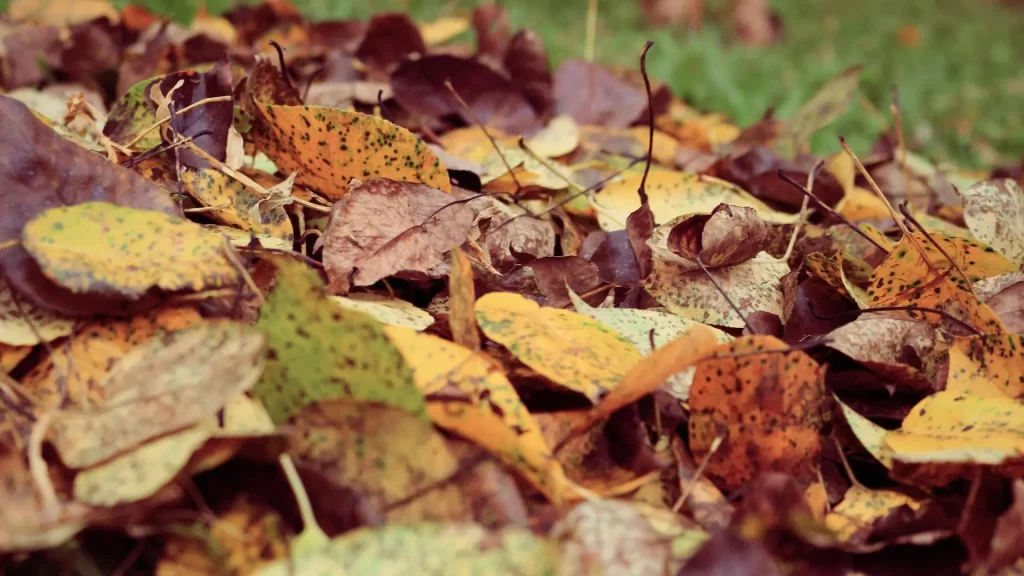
pixel 803 210
pixel 721 291
pixel 642 191
pixel 928 236
pixel 284 67
pixel 871 182
pixel 715 444
pixel 831 211
pixel 494 143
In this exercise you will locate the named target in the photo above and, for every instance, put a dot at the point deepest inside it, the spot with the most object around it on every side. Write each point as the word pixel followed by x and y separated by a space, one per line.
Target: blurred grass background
pixel 961 85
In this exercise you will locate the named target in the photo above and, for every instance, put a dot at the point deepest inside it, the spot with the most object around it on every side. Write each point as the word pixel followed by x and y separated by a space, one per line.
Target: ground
pixel 961 85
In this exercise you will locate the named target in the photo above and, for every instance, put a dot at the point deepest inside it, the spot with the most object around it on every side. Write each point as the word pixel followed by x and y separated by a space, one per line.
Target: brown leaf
pixel 494 99
pixel 756 172
pixel 42 171
pixel 592 95
pixel 727 554
pixel 214 118
pixel 385 227
pixel 729 235
pixel 23 49
pixel 813 303
pixel 614 257
pixel 557 274
pixel 1005 296
pixel 639 227
pixel 491 25
pixel 391 38
pixel 461 316
pixel 527 63
pixel 1008 539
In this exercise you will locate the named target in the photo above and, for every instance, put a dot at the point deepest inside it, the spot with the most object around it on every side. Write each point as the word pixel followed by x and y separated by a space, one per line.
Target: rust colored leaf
pixel 559 274
pixel 767 405
pixel 729 235
pixel 386 227
pixel 391 38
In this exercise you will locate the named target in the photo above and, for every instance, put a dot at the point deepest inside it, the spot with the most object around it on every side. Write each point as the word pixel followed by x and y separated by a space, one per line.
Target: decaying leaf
pixel 23 324
pixel 988 365
pixel 572 350
pixel 766 403
pixel 461 315
pixel 862 507
pixel 993 210
pixel 384 227
pixel 727 236
pixel 317 350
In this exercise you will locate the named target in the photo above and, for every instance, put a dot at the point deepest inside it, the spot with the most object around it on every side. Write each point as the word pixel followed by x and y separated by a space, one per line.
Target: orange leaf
pixel 461 315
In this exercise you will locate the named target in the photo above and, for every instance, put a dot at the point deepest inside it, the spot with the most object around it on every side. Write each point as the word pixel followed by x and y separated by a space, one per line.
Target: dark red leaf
pixel 391 38
pixel 491 25
pixel 214 118
pixel 553 273
pixel 592 95
pixel 527 63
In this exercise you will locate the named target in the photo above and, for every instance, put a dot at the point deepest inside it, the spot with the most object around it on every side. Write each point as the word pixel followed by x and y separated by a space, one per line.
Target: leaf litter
pixel 428 314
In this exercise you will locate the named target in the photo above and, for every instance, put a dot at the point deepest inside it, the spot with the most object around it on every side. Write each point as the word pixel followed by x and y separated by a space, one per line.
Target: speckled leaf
pixel 831 271
pixel 235 202
pixel 907 278
pixel 948 434
pixel 494 417
pixel 81 365
pixel 17 329
pixel 871 435
pixel 329 147
pixel 386 310
pixel 753 285
pixel 572 350
pixel 861 507
pixel 104 248
pixel 647 328
pixel 881 344
pixel 615 536
pixel 430 549
pixel 162 386
pixel 768 406
pixel 826 105
pixel 674 194
pixel 317 350
pixel 994 210
pixel 384 454
pixel 987 365
pixel 241 238
pixel 133 114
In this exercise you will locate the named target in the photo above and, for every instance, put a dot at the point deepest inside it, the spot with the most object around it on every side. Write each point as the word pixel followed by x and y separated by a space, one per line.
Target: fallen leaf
pixel 1008 540
pixel 727 236
pixel 11 356
pixel 753 286
pixel 195 370
pixel 572 350
pixel 235 202
pixel 441 30
pixel 318 351
pixel 22 324
pixel 27 523
pixel 395 460
pixel 674 194
pixel 1003 295
pixel 388 311
pixel 526 59
pixel 987 364
pixel 559 137
pixel 767 406
pixel 826 105
pixel 557 276
pixel 727 553
pixel 461 315
pixel 390 39
pixel 396 548
pixel 592 95
pixel 384 227
pixel 992 210
pixel 886 345
pixel 870 435
pixel 104 248
pixel 861 508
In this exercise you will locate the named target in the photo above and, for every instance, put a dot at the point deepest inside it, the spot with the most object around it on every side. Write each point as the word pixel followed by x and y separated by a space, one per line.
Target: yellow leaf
pixel 96 247
pixel 830 269
pixel 11 356
pixel 240 238
pixel 495 418
pixel 987 365
pixel 386 310
pixel 22 324
pixel 753 286
pixel 462 301
pixel 570 349
pixel 861 507
pixel 860 204
pixel 385 454
pixel 632 142
pixel 235 202
pixel 674 194
pixel 528 170
pixel 871 435
pixel 950 433
pixel 441 30
pixel 471 142
pixel 329 147
pixel 560 137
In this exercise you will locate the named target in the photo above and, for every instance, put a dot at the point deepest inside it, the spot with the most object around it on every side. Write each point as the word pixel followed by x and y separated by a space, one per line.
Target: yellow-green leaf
pixel 22 324
pixel 572 350
pixel 98 247
pixel 391 311
pixel 861 507
pixel 234 202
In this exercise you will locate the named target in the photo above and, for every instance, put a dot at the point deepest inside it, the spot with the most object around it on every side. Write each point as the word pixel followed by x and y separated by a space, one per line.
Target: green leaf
pixel 317 350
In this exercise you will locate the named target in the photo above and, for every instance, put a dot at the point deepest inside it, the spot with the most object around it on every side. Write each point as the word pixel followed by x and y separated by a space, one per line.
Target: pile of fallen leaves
pixel 349 298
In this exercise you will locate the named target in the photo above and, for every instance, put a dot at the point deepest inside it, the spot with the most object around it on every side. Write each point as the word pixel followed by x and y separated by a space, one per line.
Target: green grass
pixel 961 88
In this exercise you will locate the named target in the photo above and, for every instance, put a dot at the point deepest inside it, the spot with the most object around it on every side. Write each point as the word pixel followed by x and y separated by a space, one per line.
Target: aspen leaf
pixel 386 310
pixel 413 549
pixel 767 405
pixel 186 377
pixel 494 417
pixel 97 247
pixel 384 454
pixel 23 324
pixel 753 285
pixel 317 350
pixel 572 350
pixel 674 194
pixel 993 210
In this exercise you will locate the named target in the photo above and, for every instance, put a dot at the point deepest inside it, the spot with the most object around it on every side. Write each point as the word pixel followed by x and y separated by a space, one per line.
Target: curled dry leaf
pixel 572 350
pixel 993 210
pixel 729 235
pixel 187 377
pixel 386 455
pixel 384 227
pixel 318 351
pixel 768 407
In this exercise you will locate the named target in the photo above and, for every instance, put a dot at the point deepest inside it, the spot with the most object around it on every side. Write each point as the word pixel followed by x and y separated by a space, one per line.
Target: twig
pixel 160 123
pixel 284 67
pixel 807 194
pixel 642 191
pixel 715 444
pixel 721 291
pixel 494 143
pixel 803 210
pixel 232 257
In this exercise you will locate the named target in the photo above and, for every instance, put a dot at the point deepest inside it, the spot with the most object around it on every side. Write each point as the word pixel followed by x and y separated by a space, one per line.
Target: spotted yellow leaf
pixel 22 324
pixel 233 203
pixel 386 310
